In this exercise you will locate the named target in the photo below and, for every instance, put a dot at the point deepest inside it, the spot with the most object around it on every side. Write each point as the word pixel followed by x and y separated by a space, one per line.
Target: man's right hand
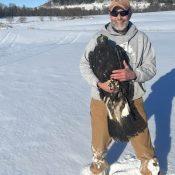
pixel 105 86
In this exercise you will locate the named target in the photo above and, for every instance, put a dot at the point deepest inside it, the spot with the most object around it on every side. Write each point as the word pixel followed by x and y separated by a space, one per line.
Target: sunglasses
pixel 115 13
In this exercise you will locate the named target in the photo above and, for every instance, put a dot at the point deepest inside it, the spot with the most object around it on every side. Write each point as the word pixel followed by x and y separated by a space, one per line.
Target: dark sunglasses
pixel 115 13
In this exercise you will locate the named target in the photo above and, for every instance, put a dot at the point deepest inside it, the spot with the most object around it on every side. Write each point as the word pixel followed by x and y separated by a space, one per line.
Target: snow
pixel 140 5
pixel 90 6
pixel 99 5
pixel 44 102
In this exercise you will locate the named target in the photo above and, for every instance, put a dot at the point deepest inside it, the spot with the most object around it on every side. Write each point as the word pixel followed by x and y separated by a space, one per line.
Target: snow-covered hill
pixel 44 102
pixel 95 5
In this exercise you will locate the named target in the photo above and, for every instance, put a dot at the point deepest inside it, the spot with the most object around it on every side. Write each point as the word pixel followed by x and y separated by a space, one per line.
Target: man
pixel 143 64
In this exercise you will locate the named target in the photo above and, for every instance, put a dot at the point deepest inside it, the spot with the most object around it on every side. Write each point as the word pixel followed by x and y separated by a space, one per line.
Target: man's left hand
pixel 123 74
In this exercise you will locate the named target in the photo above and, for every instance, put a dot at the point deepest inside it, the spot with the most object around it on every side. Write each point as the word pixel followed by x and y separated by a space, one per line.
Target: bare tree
pixel 50 18
pixel 10 19
pixel 41 18
pixel 22 19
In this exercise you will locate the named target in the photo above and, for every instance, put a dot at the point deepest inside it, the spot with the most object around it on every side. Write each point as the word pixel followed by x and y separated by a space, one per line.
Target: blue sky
pixel 27 3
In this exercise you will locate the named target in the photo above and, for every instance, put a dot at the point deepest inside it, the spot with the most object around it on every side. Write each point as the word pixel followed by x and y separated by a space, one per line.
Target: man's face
pixel 120 22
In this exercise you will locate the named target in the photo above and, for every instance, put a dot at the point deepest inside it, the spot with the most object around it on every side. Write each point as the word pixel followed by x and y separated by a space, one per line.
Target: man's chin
pixel 120 28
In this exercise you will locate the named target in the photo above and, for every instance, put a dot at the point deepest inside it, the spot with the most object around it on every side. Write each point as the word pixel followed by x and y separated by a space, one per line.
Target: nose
pixel 119 16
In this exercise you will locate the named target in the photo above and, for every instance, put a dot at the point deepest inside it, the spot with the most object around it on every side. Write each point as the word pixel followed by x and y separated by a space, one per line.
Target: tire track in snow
pixel 70 38
pixel 8 40
pixel 69 30
pixel 64 40
pixel 7 44
pixel 3 39
pixel 76 38
pixel 36 51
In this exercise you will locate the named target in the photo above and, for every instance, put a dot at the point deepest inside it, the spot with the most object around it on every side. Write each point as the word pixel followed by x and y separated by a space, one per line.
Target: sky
pixel 27 3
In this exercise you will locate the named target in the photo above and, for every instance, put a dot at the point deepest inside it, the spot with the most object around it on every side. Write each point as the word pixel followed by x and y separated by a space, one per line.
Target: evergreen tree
pixel 68 2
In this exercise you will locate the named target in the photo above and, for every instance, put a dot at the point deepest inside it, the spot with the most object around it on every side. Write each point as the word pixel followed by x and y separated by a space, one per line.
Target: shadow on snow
pixel 157 105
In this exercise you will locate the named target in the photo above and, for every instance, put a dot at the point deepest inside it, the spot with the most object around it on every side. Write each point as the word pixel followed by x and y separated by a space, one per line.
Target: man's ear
pixel 110 17
pixel 130 13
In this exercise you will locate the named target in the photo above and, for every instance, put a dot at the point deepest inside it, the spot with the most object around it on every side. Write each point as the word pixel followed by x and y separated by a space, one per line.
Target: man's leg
pixel 143 146
pixel 100 135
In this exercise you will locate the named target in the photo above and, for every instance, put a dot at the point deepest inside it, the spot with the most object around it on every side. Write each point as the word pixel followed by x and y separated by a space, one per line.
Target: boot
pixel 150 167
pixel 99 168
pixel 99 165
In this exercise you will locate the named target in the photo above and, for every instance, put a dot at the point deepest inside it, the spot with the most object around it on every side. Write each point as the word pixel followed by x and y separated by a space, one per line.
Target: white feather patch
pixel 126 110
pixel 153 166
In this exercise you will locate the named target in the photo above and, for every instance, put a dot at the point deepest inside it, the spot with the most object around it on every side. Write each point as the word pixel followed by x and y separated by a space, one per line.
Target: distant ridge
pixel 99 4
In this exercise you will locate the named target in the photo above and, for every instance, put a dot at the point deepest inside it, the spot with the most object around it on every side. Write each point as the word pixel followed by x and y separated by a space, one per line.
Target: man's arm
pixel 144 72
pixel 87 72
pixel 147 70
pixel 125 74
pixel 85 69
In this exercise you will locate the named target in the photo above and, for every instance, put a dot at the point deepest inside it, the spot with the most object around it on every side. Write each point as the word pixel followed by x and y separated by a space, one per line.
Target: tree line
pixel 12 10
pixel 67 2
pixel 70 2
pixel 161 1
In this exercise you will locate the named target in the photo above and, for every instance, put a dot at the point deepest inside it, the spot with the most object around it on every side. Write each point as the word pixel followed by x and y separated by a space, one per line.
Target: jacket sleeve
pixel 85 69
pixel 147 68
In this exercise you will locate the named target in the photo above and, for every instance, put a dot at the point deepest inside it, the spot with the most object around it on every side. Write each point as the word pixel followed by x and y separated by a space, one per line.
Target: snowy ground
pixel 44 102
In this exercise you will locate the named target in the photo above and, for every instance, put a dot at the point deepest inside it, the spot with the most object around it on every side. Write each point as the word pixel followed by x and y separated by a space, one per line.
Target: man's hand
pixel 123 74
pixel 105 86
